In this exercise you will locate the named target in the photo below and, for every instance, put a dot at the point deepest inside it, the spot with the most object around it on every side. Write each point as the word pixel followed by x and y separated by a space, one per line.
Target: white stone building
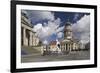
pixel 28 37
pixel 69 43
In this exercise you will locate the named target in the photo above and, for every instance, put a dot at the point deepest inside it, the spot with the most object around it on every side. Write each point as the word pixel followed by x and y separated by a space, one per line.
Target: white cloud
pixel 82 28
pixel 37 27
pixel 60 35
pixel 40 15
pixel 57 21
pixel 24 11
pixel 85 38
pixel 60 29
pixel 45 30
pixel 52 27
pixel 45 42
pixel 76 16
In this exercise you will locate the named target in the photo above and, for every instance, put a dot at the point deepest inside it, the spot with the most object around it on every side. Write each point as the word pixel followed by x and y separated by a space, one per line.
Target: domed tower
pixel 68 31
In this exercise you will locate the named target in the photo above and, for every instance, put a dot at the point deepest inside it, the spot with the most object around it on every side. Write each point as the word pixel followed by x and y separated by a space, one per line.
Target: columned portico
pixel 28 37
pixel 27 34
pixel 69 44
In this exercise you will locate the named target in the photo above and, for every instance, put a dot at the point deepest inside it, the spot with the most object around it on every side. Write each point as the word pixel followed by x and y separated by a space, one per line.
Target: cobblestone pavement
pixel 75 55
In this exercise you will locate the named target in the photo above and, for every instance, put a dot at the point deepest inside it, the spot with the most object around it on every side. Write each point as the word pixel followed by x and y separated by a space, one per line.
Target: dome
pixel 68 24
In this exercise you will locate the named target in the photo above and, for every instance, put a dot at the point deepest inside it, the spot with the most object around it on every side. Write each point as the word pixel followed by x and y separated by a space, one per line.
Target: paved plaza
pixel 74 55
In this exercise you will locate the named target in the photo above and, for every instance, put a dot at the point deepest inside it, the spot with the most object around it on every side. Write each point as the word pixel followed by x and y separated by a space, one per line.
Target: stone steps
pixel 26 50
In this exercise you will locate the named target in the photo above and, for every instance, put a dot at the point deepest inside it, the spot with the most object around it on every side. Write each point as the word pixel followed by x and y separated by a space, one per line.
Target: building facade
pixel 28 37
pixel 69 43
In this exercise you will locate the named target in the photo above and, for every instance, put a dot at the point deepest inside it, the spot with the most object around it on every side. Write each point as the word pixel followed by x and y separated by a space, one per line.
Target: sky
pixel 49 25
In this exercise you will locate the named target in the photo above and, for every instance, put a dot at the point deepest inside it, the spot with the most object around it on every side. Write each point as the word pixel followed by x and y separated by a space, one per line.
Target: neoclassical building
pixel 69 43
pixel 28 37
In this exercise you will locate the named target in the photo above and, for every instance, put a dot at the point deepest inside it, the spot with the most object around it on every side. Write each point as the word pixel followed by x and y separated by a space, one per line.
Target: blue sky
pixel 69 16
pixel 64 16
pixel 49 24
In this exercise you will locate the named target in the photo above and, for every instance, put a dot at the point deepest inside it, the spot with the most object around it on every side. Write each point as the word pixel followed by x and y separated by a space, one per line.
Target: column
pixel 62 47
pixel 70 46
pixel 30 39
pixel 24 36
pixel 65 47
pixel 73 46
pixel 33 39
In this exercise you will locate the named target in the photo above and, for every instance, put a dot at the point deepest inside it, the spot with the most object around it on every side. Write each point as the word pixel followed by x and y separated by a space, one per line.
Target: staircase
pixel 27 50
